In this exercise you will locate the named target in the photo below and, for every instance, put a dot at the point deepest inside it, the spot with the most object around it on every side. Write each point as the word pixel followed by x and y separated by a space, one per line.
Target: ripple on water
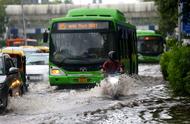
pixel 145 100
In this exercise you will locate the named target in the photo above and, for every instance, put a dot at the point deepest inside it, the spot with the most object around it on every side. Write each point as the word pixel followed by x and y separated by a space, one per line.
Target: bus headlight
pixel 56 71
pixel 140 56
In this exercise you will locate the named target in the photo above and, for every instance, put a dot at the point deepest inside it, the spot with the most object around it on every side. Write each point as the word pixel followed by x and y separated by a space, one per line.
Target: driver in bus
pixel 112 65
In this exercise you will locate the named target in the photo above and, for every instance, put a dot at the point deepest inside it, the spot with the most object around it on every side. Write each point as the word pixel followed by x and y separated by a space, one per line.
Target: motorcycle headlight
pixel 16 83
pixel 56 71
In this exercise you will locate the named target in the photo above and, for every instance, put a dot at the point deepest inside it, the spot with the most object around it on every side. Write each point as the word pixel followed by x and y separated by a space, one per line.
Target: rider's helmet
pixel 112 55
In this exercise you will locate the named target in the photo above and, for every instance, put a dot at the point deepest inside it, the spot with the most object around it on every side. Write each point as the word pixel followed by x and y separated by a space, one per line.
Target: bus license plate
pixel 83 80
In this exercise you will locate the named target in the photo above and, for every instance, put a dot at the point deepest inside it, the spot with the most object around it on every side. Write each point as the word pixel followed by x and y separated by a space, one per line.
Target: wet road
pixel 146 99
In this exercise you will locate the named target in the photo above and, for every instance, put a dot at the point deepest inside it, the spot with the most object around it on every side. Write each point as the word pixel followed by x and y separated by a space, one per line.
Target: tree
pixel 56 1
pixel 168 10
pixel 68 1
pixel 95 1
pixel 11 2
pixel 2 18
pixel 148 0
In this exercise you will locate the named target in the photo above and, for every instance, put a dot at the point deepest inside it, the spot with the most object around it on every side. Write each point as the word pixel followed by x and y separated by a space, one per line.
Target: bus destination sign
pixel 82 25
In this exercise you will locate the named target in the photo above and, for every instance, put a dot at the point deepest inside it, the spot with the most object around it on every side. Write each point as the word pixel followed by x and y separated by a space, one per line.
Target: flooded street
pixel 146 99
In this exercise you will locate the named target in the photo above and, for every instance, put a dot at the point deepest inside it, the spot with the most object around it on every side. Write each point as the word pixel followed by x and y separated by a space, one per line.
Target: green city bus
pixel 150 46
pixel 80 41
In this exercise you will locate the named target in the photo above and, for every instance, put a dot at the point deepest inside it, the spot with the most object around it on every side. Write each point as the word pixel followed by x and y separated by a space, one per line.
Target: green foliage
pixel 56 1
pixel 168 10
pixel 2 19
pixel 178 69
pixel 2 43
pixel 68 1
pixel 11 2
pixel 60 1
pixel 187 82
pixel 148 0
pixel 171 42
pixel 96 1
pixel 175 66
pixel 164 61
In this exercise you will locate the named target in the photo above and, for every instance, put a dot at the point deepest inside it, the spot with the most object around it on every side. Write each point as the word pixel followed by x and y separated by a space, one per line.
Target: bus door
pixel 124 49
pixel 130 50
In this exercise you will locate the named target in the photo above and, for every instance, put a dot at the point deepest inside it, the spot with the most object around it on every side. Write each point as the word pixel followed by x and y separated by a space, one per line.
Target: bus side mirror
pixel 45 37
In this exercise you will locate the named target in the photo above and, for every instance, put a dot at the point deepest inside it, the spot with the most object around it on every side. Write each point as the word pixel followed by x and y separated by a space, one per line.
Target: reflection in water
pixel 152 104
pixel 148 108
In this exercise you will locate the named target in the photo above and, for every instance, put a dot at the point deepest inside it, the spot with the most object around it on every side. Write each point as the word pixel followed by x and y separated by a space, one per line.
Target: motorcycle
pixel 114 88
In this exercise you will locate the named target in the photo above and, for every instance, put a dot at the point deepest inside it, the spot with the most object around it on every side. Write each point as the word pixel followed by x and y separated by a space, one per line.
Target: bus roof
pixel 105 14
pixel 147 33
pixel 97 12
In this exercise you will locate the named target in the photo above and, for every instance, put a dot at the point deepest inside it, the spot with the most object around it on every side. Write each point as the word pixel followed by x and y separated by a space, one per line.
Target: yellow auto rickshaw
pixel 44 49
pixel 19 61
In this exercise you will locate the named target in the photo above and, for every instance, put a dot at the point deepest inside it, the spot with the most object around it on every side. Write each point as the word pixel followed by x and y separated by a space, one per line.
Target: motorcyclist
pixel 112 65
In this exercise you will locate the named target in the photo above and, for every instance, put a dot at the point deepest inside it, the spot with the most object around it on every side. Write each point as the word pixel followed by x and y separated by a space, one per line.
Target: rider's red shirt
pixel 111 66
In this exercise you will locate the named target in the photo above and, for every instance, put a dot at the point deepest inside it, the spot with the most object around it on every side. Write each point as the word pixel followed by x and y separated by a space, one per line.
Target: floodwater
pixel 142 98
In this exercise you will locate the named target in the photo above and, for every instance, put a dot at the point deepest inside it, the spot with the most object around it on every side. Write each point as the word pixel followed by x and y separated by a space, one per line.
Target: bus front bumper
pixel 65 80
pixel 149 59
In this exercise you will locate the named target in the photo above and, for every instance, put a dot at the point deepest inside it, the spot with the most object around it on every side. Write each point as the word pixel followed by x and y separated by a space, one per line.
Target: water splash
pixel 116 86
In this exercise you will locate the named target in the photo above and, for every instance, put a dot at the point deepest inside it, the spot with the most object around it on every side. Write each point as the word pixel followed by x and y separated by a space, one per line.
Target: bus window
pixel 150 45
pixel 119 43
pixel 122 44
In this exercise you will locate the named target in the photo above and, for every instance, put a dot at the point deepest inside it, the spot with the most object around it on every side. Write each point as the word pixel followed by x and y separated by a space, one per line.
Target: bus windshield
pixel 150 45
pixel 80 48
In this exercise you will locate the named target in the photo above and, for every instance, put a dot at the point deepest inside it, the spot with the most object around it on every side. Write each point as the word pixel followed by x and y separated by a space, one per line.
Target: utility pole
pixel 23 22
pixel 95 1
pixel 179 20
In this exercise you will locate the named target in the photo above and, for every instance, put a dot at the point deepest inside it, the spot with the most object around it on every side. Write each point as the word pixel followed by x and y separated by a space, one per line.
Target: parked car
pixel 43 49
pixel 10 80
pixel 37 67
pixel 28 51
